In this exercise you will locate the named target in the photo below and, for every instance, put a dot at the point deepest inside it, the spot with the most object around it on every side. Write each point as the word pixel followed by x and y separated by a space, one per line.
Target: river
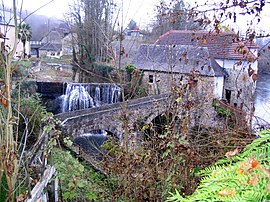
pixel 262 101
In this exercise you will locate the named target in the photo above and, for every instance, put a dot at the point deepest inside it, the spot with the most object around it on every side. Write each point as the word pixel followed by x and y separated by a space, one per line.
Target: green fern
pixel 244 177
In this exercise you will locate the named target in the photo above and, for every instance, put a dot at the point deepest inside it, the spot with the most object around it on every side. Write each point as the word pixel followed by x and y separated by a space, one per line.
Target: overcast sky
pixel 55 8
pixel 142 11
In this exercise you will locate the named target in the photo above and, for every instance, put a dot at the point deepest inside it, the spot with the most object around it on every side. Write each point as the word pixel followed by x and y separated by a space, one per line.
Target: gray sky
pixel 139 10
pixel 56 8
pixel 142 11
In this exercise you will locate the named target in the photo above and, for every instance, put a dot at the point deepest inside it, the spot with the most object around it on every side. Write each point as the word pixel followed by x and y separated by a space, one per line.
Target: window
pixel 151 78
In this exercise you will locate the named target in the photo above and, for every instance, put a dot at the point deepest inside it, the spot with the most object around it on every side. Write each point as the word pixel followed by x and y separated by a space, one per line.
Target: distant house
pixel 35 46
pixel 51 44
pixel 133 33
pixel 227 63
pixel 7 30
pixel 51 50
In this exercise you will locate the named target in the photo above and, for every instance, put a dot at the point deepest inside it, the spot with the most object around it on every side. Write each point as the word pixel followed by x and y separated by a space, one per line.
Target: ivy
pixel 221 110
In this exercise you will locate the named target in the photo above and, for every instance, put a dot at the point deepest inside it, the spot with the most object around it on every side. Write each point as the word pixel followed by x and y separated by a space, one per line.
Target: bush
pixel 103 69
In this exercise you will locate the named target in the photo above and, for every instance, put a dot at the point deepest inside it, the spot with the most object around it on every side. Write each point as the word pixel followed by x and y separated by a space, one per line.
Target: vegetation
pixel 134 87
pixel 221 110
pixel 153 160
pixel 132 25
pixel 239 177
pixel 22 117
pixel 62 60
pixel 174 15
pixel 78 182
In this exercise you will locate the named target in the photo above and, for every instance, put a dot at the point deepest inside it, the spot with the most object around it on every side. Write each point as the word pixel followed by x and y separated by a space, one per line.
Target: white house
pixel 7 29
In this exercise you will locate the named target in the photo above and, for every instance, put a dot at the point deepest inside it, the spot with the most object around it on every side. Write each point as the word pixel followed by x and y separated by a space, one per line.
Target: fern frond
pixel 244 177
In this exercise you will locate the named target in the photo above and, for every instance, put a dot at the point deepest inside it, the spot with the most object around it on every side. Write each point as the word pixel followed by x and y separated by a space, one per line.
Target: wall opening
pixel 151 78
pixel 160 124
pixel 228 94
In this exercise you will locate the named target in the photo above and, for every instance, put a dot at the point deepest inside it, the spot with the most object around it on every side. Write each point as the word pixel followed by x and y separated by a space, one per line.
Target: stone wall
pixel 163 82
pixel 197 98
pixel 239 90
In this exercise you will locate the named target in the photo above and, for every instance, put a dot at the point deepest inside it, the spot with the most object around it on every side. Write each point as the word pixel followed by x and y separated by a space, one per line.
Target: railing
pixel 37 193
pixel 240 117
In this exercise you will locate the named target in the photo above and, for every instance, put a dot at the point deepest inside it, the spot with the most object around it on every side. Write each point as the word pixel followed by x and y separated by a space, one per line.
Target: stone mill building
pixel 222 65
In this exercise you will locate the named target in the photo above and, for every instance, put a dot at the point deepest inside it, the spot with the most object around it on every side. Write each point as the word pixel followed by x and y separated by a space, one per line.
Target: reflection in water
pixel 262 102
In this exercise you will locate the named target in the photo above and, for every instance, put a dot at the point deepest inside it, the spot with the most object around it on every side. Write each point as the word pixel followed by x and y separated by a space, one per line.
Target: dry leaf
pixel 253 180
pixel 232 153
pixel 250 70
pixel 227 192
pixel 255 77
pixel 241 170
pixel 253 164
pixel 20 198
pixel 238 63
pixel 244 78
pixel 184 55
pixel 204 41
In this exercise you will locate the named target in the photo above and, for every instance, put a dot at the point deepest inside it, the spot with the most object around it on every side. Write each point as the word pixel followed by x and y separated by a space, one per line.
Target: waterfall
pixel 97 96
pixel 81 96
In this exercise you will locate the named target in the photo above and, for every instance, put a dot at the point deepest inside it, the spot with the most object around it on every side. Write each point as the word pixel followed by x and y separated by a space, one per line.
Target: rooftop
pixel 223 45
pixel 177 58
pixel 51 47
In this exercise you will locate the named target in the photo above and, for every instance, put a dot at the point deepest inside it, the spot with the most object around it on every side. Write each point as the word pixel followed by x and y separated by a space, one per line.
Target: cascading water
pixel 81 96
pixel 91 142
pixel 97 96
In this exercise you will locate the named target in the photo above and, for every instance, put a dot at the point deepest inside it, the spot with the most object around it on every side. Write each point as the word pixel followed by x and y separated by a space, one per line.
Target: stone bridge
pixel 110 117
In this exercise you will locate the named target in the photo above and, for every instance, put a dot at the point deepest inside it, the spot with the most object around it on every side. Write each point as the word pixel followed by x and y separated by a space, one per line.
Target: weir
pixel 82 96
pixel 64 97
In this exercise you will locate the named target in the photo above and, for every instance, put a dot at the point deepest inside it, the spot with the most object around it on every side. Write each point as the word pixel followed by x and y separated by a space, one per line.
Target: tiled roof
pixel 240 50
pixel 51 47
pixel 220 45
pixel 177 58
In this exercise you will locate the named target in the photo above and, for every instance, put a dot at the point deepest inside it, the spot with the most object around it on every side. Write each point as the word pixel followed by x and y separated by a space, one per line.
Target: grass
pixel 62 60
